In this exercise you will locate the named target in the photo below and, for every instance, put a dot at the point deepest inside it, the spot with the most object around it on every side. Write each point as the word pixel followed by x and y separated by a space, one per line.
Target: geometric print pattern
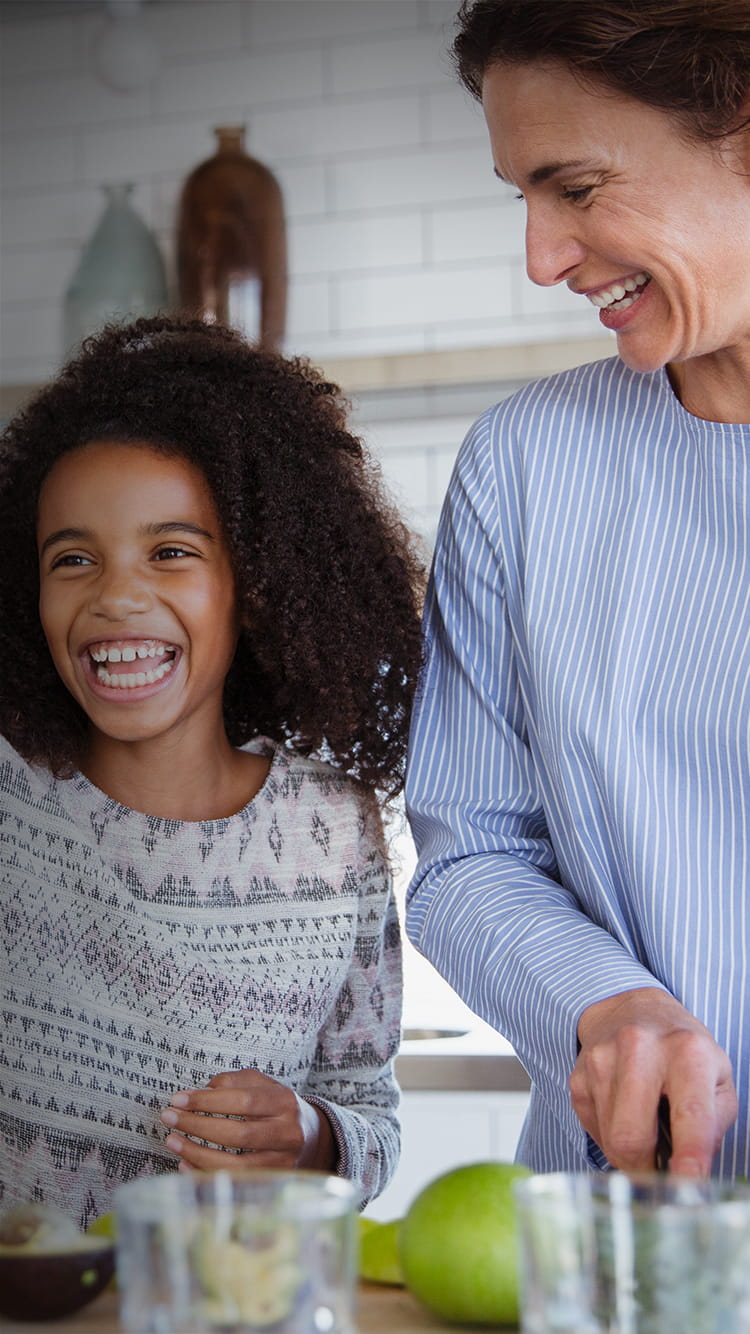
pixel 140 955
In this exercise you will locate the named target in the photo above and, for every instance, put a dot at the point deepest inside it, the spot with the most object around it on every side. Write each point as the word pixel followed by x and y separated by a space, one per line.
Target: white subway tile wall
pixel 401 239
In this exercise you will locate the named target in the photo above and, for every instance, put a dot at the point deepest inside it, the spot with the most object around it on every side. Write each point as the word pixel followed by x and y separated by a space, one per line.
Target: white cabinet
pixel 441 1130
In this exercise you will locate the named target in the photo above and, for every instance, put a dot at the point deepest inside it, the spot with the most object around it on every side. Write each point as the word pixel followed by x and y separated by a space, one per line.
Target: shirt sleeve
pixel 486 905
pixel 352 1078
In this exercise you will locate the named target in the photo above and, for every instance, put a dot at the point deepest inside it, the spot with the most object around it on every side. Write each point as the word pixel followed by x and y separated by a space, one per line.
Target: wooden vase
pixel 231 243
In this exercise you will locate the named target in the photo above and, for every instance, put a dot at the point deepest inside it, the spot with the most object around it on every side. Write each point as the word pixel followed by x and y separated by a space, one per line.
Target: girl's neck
pixel 204 782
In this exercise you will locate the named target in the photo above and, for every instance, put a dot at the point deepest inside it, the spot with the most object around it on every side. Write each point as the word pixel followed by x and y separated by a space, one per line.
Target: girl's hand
pixel 636 1048
pixel 263 1121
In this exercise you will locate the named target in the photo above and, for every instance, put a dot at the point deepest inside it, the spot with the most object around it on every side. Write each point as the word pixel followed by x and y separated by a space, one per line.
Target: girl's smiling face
pixel 649 226
pixel 137 595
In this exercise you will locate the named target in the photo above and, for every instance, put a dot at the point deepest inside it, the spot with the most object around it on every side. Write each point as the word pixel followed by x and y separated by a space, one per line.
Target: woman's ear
pixel 743 133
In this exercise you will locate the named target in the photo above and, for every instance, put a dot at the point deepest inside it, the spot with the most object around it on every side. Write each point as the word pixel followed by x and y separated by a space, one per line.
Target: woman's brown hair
pixel 689 58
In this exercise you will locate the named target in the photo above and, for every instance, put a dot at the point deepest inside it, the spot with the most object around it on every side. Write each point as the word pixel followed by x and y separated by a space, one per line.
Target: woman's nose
pixel 552 250
pixel 119 593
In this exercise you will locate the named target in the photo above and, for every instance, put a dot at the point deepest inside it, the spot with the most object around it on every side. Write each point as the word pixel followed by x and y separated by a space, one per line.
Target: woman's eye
pixel 577 194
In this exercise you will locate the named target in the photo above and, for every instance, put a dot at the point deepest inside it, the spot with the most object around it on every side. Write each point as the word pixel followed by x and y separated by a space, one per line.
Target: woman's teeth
pixel 617 297
pixel 129 653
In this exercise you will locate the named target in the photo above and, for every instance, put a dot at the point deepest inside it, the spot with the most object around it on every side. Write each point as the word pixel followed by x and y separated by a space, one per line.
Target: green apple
pixel 458 1246
pixel 378 1251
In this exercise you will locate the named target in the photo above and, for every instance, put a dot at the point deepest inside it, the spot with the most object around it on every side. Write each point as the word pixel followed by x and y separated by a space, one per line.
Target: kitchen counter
pixel 474 1059
pixel 380 1310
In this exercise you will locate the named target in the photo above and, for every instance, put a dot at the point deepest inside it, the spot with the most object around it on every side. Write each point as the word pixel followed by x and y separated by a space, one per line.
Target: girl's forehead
pixel 105 475
pixel 98 457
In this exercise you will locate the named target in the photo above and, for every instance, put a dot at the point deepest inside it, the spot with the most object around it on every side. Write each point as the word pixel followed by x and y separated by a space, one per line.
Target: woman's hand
pixel 634 1048
pixel 265 1122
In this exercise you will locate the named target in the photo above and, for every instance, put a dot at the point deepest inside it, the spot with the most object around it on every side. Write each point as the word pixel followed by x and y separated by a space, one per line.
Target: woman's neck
pixel 715 387
pixel 176 781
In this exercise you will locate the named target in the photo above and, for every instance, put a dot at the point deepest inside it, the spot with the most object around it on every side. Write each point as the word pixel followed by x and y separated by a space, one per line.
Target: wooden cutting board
pixel 380 1310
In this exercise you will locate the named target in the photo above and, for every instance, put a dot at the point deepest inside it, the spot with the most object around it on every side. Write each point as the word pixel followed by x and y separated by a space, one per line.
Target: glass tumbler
pixel 651 1254
pixel 202 1253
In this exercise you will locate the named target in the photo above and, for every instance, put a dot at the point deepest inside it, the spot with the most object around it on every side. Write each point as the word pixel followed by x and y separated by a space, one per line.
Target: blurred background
pixel 405 282
pixel 404 250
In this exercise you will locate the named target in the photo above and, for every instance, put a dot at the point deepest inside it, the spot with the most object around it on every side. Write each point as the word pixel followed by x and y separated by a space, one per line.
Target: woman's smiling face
pixel 649 226
pixel 137 596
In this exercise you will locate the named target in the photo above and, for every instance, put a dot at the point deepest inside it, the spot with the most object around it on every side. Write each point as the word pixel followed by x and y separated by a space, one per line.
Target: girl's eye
pixel 71 559
pixel 172 553
pixel 576 195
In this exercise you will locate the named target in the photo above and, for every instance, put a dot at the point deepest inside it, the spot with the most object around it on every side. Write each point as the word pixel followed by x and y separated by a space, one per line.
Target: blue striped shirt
pixel 579 777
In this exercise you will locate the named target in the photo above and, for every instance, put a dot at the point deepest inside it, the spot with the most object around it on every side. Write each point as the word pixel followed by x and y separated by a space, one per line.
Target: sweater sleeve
pixel 487 904
pixel 352 1078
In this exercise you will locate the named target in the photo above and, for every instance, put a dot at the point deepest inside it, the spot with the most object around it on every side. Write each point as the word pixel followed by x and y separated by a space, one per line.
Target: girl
pixel 209 642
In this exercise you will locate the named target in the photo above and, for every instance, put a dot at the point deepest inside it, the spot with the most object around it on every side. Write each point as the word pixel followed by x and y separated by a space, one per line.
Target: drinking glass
pixel 202 1253
pixel 651 1254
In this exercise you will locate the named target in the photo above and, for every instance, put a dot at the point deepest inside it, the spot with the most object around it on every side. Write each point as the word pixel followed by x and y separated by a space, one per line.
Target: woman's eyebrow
pixel 549 169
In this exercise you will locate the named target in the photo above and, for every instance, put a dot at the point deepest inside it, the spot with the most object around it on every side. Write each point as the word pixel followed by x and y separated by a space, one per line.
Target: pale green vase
pixel 120 274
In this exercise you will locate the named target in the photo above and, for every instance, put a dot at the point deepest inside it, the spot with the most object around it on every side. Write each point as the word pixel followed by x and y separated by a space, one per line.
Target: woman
pixel 578 781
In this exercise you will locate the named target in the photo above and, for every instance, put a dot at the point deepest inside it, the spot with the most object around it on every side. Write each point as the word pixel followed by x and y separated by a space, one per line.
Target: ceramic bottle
pixel 231 242
pixel 120 273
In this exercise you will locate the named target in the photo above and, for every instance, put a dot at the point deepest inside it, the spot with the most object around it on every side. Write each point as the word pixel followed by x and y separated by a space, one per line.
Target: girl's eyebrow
pixel 147 530
pixel 175 526
pixel 64 535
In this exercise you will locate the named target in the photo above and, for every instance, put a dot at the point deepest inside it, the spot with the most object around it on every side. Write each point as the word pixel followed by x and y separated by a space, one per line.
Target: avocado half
pixel 56 1283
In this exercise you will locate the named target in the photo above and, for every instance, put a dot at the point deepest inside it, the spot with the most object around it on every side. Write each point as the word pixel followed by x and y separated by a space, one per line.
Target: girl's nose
pixel 118 594
pixel 552 250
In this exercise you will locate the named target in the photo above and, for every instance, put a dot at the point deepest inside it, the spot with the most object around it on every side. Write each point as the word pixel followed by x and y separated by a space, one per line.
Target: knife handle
pixel 663 1136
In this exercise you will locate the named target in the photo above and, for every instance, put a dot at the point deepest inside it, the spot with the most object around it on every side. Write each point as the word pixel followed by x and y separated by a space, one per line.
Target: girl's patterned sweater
pixel 142 955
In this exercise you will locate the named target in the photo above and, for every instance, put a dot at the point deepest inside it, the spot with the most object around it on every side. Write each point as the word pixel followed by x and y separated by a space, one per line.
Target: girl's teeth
pixel 125 680
pixel 129 652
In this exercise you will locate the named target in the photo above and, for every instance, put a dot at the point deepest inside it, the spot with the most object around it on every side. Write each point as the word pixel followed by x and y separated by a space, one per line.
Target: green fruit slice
pixel 378 1252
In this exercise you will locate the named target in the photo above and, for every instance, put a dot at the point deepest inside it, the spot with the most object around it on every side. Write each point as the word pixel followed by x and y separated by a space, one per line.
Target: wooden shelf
pixel 410 370
pixel 468 365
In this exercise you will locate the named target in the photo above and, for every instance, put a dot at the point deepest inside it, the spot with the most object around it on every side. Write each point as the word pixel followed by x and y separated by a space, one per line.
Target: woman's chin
pixel 639 358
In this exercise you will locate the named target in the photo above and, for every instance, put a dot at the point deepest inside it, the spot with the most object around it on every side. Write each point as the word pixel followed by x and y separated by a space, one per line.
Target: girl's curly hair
pixel 327 574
